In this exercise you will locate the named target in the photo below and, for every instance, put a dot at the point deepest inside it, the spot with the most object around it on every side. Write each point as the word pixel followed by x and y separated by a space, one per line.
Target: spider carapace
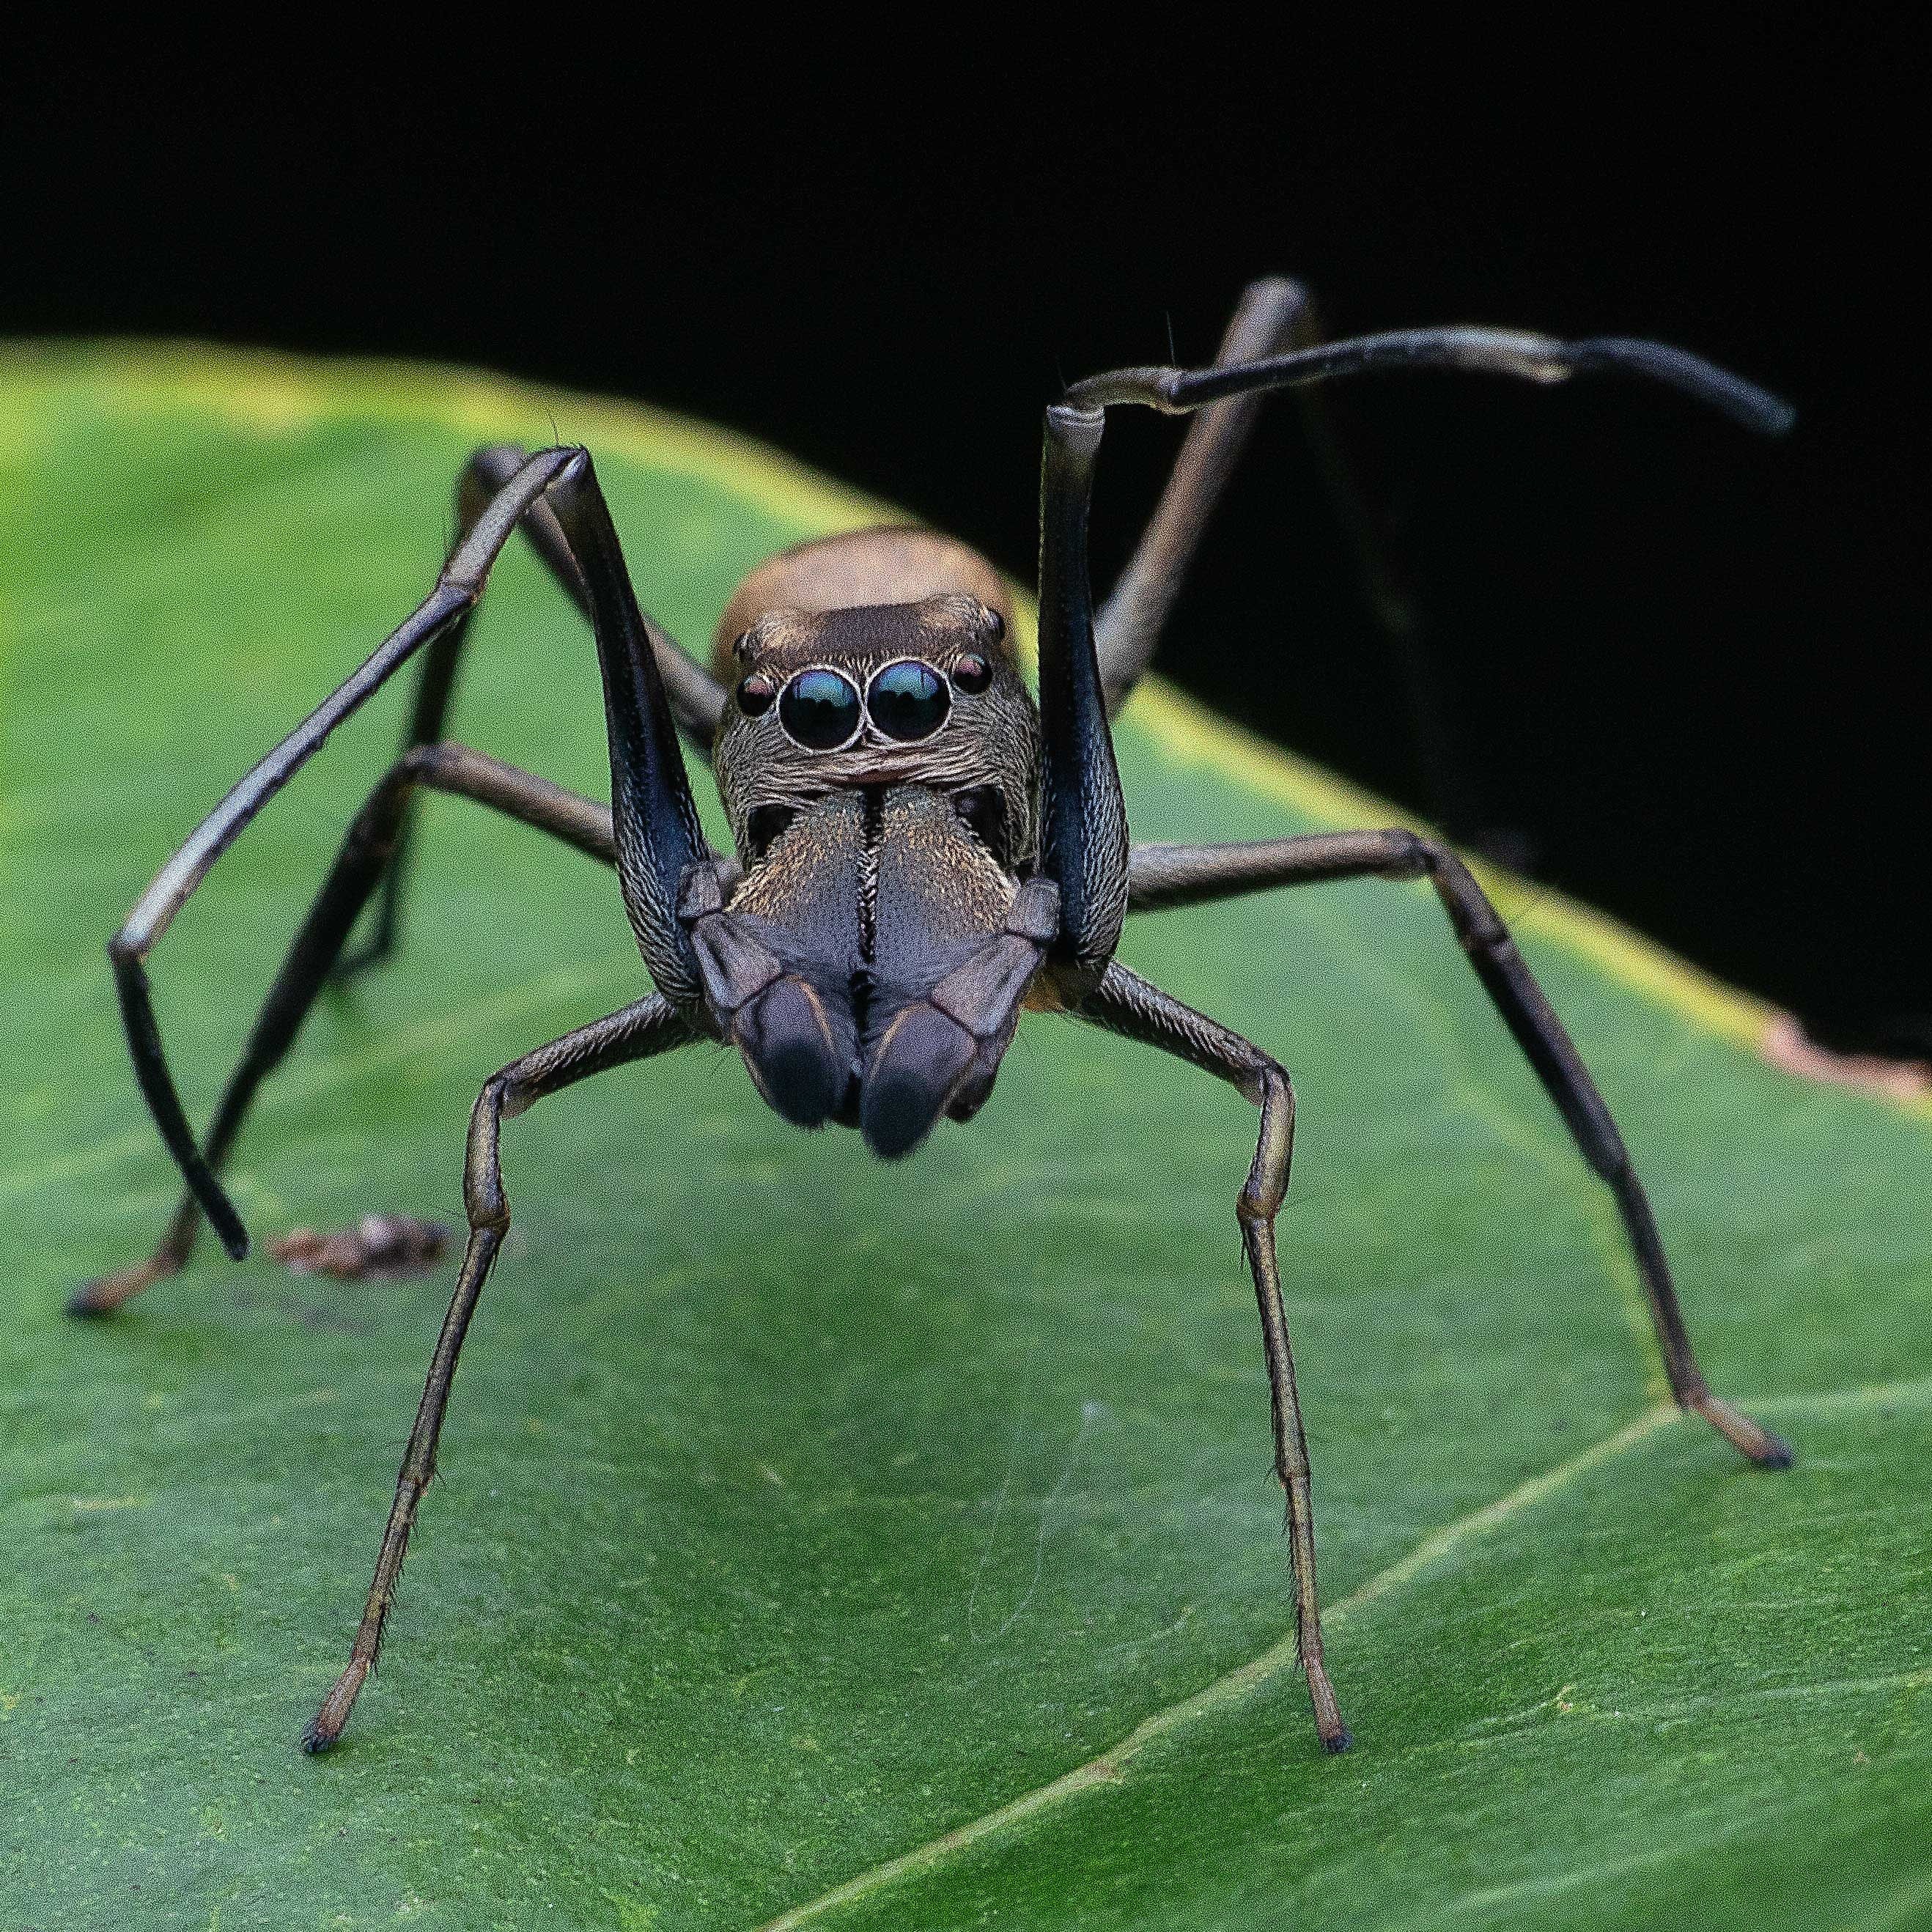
pixel 921 853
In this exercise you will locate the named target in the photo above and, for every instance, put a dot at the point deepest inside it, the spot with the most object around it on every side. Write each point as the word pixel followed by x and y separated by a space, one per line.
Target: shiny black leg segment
pixel 1272 314
pixel 1085 821
pixel 697 700
pixel 650 1027
pixel 1527 357
pixel 367 851
pixel 654 821
pixel 456 589
pixel 1163 876
pixel 1125 1003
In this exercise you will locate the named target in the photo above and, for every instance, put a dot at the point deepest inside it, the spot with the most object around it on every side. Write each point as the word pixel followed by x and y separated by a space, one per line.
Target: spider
pixel 921 850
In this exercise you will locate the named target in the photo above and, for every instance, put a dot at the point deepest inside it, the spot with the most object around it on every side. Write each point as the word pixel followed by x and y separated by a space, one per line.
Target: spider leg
pixel 1269 315
pixel 1083 819
pixel 1519 353
pixel 1125 1003
pixel 697 700
pixel 1163 876
pixel 655 822
pixel 367 850
pixel 1084 840
pixel 1272 314
pixel 651 1027
pixel 1279 314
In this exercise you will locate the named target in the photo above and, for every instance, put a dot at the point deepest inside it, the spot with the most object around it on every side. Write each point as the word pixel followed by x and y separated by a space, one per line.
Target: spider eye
pixel 996 625
pixel 819 710
pixel 908 701
pixel 755 695
pixel 972 673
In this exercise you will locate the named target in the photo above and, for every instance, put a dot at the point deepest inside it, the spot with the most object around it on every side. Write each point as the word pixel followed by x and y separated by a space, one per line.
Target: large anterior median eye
pixel 819 710
pixel 908 699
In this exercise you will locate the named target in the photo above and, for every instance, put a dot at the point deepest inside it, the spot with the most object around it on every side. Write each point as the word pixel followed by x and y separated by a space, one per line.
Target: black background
pixel 1674 670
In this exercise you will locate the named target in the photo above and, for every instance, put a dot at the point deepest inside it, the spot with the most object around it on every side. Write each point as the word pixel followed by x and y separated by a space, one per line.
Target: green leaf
pixel 902 1540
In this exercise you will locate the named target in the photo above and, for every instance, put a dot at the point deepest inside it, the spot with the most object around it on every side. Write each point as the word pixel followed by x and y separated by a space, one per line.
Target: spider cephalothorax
pixel 923 689
pixel 879 765
pixel 921 852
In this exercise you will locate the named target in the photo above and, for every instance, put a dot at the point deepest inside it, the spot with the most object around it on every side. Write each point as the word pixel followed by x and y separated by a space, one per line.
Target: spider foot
pixel 322 1731
pixel 1335 1735
pixel 105 1293
pixel 1767 1450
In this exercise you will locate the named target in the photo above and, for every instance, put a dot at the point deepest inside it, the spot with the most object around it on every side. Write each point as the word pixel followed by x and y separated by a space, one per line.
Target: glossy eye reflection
pixel 908 701
pixel 819 710
pixel 755 695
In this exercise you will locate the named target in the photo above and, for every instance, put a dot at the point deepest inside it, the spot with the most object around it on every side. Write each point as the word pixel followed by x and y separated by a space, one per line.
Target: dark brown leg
pixel 458 586
pixel 367 851
pixel 650 1027
pixel 1275 341
pixel 1274 314
pixel 1161 876
pixel 1125 1003
pixel 1271 315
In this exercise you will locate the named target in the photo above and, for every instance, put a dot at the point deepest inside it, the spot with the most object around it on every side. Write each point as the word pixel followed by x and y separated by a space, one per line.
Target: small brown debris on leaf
pixel 380 1247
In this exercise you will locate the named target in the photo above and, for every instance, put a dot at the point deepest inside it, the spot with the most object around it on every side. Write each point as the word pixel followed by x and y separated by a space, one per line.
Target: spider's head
pixel 923 692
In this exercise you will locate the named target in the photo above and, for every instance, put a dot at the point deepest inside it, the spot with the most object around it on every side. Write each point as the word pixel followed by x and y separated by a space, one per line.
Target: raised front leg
pixel 1084 843
pixel 1125 1003
pixel 651 1027
pixel 696 699
pixel 1178 875
pixel 1272 314
pixel 1085 821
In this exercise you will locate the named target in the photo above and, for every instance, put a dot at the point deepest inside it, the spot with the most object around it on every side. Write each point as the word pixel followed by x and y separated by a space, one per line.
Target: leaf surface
pixel 831 1543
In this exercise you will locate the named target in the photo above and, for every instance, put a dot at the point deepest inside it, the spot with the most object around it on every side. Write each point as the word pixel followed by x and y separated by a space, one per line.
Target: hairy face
pixel 921 693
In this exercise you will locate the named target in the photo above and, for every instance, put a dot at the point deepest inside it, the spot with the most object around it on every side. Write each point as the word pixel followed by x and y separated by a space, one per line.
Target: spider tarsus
pixel 1752 1439
pixel 1335 1735
pixel 95 1301
pixel 324 1730
pixel 1775 1453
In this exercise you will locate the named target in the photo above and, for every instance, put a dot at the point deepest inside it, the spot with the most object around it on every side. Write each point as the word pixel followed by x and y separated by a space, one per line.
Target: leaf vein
pixel 1110 1767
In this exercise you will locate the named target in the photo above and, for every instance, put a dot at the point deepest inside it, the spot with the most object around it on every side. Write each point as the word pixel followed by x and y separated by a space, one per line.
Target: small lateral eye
pixel 972 673
pixel 908 701
pixel 819 710
pixel 755 695
pixel 996 625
